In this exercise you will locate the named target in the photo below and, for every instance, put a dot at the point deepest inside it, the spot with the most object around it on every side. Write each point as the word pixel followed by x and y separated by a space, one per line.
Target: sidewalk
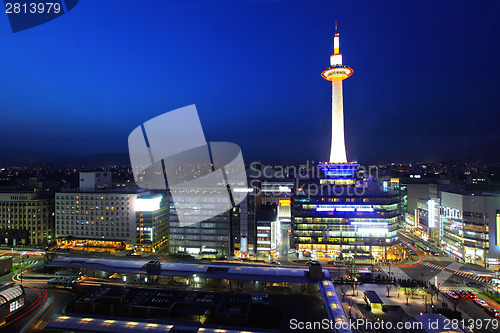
pixel 415 306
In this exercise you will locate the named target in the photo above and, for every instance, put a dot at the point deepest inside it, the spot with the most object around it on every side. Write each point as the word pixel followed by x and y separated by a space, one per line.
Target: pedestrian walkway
pixel 456 271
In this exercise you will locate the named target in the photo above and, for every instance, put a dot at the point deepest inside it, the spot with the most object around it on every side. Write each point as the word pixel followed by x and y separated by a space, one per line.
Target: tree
pixel 388 287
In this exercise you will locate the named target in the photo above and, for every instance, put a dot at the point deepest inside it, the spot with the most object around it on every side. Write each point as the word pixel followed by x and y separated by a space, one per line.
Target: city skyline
pixel 89 85
pixel 253 196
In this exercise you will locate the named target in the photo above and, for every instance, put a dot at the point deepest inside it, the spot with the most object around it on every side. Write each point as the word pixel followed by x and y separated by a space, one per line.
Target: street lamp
pixel 21 265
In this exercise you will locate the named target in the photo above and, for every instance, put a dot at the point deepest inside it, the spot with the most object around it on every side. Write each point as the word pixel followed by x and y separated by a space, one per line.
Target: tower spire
pixel 336 47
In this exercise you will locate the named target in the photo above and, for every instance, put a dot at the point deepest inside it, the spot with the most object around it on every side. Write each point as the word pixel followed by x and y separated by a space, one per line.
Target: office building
pixel 209 238
pixel 152 212
pixel 361 225
pixel 471 226
pixel 26 218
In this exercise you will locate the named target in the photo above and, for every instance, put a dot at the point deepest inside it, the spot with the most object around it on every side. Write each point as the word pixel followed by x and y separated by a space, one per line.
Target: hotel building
pixel 96 219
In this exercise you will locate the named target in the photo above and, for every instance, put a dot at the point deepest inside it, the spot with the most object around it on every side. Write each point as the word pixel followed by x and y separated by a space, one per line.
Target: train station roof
pixel 183 269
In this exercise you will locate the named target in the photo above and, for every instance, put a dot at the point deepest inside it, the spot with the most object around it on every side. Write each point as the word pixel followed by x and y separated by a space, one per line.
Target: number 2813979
pixel 32 8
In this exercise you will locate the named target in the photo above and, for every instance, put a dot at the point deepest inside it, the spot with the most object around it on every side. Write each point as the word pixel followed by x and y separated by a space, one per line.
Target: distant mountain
pixel 10 157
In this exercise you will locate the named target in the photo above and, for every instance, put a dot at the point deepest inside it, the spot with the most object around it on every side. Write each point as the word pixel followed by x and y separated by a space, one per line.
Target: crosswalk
pixel 455 288
pixel 467 275
pixel 428 264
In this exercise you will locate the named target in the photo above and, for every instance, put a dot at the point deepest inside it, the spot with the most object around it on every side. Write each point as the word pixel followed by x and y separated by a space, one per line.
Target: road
pixel 41 304
pixel 451 275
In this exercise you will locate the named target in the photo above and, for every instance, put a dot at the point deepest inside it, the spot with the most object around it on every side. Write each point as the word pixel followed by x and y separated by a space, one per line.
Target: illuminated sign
pixel 452 213
pixel 285 203
pixel 147 204
pixel 431 206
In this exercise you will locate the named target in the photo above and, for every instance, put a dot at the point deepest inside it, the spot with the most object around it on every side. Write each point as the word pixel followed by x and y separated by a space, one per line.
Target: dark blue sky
pixel 426 82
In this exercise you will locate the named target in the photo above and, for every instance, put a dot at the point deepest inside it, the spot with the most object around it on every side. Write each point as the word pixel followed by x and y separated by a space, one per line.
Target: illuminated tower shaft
pixel 336 73
pixel 337 150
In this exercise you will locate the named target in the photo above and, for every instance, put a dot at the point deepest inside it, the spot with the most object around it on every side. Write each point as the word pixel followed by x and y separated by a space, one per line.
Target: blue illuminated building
pixel 358 221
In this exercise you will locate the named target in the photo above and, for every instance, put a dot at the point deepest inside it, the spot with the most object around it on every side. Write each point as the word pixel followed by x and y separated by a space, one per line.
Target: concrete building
pixel 96 219
pixel 91 181
pixel 471 226
pixel 427 222
pixel 152 212
pixel 244 231
pixel 26 218
pixel 5 264
pixel 209 238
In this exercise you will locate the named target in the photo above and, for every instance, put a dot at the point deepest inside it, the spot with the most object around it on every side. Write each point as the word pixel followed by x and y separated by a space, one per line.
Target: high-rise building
pixel 244 232
pixel 26 218
pixel 152 212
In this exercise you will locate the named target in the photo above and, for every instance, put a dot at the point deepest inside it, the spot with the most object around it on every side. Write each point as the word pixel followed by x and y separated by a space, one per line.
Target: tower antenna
pixel 335 26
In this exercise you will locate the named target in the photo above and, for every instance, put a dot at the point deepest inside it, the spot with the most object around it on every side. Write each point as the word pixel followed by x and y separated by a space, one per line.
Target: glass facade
pixel 362 225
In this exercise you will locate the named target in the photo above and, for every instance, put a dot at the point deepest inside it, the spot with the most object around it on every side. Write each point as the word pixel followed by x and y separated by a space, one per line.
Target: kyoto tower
pixel 336 73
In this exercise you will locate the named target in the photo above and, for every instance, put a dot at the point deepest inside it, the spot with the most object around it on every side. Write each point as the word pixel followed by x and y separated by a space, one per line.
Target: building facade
pixel 471 226
pixel 340 222
pixel 209 238
pixel 96 219
pixel 26 218
pixel 152 214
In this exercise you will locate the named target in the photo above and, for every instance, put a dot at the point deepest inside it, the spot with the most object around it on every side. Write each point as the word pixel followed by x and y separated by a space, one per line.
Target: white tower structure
pixel 336 73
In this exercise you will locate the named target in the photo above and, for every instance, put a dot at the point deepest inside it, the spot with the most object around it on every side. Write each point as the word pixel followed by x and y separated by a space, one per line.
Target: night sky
pixel 426 82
